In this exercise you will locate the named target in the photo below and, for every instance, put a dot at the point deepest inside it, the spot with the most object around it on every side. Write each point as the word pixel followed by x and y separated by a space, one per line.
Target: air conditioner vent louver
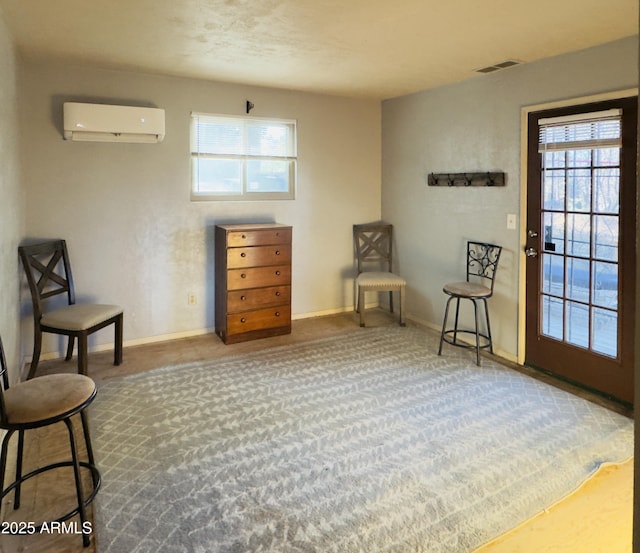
pixel 498 66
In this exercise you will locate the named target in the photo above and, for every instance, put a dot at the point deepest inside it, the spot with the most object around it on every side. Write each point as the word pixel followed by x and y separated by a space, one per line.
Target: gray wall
pixel 11 203
pixel 134 236
pixel 476 125
pixel 136 239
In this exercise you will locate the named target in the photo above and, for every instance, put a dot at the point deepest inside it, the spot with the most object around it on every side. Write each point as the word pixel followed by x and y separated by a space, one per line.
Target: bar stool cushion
pixel 467 290
pixel 47 397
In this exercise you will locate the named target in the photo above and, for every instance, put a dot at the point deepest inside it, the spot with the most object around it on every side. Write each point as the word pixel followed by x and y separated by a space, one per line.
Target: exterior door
pixel 580 275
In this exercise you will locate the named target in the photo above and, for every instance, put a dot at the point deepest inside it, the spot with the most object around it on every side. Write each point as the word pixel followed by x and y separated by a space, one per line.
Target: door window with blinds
pixel 242 158
pixel 581 229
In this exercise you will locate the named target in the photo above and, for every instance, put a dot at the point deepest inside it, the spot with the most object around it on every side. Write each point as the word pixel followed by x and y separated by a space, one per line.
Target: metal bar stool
pixel 40 402
pixel 482 263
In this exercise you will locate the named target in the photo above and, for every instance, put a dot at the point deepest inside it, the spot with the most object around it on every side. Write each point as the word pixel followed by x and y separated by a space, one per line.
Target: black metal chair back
pixel 482 262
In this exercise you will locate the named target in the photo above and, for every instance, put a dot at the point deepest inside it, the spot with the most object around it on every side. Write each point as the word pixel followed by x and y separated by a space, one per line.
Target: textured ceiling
pixel 363 48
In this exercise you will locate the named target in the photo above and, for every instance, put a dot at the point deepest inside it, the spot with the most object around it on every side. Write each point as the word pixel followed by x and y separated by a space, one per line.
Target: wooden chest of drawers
pixel 253 281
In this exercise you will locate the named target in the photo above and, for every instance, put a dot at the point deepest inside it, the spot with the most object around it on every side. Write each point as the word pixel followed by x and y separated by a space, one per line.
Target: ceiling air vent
pixel 498 66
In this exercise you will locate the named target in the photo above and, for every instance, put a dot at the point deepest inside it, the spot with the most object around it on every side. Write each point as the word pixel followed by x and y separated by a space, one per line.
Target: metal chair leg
pixel 88 446
pixel 3 458
pixel 16 494
pixel 444 324
pixel 455 324
pixel 76 473
pixel 83 353
pixel 117 353
pixel 486 310
pixel 70 348
pixel 475 313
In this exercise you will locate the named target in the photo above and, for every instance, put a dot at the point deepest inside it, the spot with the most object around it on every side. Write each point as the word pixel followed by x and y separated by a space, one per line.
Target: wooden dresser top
pixel 253 226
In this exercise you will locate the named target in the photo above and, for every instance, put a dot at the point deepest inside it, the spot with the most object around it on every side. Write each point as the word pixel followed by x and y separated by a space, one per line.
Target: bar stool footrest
pixel 468 345
pixel 95 479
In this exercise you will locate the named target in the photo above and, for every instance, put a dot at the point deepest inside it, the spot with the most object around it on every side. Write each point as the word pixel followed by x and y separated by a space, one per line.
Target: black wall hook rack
pixel 486 178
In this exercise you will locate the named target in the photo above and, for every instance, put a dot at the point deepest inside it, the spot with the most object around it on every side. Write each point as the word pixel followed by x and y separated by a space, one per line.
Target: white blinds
pixel 583 131
pixel 236 136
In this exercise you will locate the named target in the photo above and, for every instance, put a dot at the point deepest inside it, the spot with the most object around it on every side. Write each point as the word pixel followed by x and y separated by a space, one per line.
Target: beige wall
pixel 11 203
pixel 134 236
pixel 475 125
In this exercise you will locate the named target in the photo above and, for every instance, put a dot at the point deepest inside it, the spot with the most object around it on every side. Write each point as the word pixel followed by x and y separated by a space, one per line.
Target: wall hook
pixel 485 178
pixel 250 106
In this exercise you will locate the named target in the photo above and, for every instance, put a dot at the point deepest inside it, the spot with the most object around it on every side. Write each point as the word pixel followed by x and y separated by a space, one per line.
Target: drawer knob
pixel 243 254
pixel 244 236
pixel 278 273
pixel 277 252
pixel 278 294
pixel 243 298
pixel 277 313
pixel 243 320
pixel 243 275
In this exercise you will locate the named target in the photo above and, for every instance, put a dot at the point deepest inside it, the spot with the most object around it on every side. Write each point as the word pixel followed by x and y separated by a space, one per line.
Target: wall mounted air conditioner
pixel 107 123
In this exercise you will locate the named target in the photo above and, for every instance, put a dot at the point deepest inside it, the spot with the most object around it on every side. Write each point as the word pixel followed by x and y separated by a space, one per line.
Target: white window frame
pixel 244 157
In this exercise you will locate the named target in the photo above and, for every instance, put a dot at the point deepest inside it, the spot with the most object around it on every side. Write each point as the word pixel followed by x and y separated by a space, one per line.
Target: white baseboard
pixel 186 334
pixel 202 331
pixel 136 342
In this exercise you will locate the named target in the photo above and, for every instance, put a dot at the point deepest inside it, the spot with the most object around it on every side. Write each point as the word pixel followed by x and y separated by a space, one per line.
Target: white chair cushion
pixel 466 290
pixel 79 317
pixel 375 279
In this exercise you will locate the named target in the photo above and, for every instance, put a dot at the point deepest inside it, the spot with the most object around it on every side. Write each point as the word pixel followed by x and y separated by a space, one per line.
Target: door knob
pixel 531 252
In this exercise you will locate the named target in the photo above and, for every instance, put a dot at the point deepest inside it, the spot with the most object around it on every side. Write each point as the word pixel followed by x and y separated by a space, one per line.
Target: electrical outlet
pixel 511 221
pixel 191 299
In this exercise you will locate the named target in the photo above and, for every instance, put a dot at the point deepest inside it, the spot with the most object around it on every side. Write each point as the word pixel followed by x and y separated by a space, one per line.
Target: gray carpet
pixel 368 442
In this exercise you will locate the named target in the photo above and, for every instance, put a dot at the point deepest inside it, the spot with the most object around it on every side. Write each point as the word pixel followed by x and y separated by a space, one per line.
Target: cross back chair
pixel 41 402
pixel 374 254
pixel 49 274
pixel 482 264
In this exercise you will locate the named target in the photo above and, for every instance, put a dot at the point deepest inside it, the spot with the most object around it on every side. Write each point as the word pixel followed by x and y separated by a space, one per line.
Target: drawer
pixel 240 238
pixel 277 254
pixel 246 300
pixel 258 277
pixel 260 319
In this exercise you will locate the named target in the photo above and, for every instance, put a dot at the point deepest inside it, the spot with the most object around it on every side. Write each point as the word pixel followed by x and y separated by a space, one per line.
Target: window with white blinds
pixel 583 131
pixel 242 158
